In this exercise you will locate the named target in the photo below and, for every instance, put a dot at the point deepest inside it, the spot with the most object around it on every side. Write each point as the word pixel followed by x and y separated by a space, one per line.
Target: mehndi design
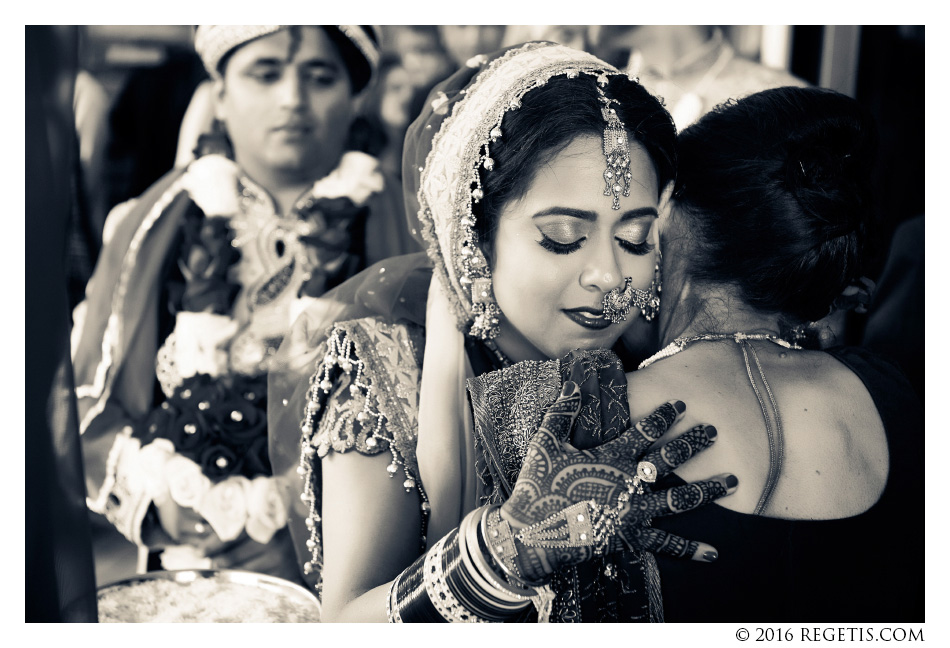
pixel 570 504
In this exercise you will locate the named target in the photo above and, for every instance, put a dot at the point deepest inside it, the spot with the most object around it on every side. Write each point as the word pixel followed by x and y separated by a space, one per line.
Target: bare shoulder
pixel 835 449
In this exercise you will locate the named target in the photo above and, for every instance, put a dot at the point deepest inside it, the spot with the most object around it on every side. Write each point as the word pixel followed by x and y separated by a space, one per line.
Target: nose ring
pixel 617 302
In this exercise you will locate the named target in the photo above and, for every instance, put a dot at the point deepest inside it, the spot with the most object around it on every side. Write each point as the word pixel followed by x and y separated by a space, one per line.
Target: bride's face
pixel 561 247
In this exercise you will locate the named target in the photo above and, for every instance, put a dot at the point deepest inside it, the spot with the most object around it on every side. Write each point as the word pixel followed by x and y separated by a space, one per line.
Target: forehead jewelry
pixel 616 149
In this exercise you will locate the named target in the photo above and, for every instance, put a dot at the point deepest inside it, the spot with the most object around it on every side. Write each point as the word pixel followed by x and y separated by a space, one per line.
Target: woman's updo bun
pixel 777 196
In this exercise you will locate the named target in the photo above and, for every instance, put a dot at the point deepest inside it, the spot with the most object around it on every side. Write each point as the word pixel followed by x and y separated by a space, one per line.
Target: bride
pixel 536 175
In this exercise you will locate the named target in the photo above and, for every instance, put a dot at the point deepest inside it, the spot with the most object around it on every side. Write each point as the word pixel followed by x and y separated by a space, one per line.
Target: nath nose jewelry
pixel 619 301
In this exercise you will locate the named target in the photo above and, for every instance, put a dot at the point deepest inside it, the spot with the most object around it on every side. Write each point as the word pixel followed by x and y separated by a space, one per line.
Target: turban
pixel 213 42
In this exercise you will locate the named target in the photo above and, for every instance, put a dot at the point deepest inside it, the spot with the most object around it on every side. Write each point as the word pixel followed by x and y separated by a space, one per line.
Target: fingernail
pixel 711 432
pixel 732 481
pixel 679 406
pixel 568 388
pixel 710 556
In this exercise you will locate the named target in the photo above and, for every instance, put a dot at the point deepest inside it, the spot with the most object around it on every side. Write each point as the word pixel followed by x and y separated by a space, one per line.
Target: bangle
pixel 482 559
pixel 439 592
pixel 392 611
pixel 489 599
pixel 478 567
pixel 444 585
pixel 412 603
pixel 513 578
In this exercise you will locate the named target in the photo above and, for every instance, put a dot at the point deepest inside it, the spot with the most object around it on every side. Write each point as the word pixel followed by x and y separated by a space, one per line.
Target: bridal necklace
pixel 773 420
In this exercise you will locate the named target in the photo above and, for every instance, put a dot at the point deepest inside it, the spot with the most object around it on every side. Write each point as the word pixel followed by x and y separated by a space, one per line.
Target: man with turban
pixel 202 275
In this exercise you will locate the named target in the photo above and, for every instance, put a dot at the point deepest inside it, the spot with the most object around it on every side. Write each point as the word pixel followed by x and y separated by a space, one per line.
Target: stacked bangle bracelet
pixel 459 580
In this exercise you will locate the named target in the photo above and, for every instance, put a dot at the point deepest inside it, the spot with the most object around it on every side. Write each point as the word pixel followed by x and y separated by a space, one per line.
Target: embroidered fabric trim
pixel 508 407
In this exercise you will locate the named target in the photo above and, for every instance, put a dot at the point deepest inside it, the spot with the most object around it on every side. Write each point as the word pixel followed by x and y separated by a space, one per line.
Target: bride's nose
pixel 602 273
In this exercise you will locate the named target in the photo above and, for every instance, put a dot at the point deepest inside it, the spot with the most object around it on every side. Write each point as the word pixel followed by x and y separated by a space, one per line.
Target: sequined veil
pixel 393 315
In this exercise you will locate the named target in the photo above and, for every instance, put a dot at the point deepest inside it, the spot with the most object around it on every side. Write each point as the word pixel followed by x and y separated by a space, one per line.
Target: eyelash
pixel 637 248
pixel 551 245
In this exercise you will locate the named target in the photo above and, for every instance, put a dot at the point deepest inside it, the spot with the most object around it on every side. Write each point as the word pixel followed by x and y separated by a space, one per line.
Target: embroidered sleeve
pixel 348 422
pixel 364 395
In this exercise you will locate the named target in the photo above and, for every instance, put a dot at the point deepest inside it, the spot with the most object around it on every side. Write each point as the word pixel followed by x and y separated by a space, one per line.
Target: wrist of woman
pixel 527 566
pixel 453 583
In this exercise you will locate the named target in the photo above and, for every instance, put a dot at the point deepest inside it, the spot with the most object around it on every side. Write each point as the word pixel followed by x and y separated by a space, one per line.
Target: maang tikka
pixel 616 149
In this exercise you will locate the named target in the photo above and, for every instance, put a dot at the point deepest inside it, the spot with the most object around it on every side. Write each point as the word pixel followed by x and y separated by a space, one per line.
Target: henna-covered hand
pixel 555 476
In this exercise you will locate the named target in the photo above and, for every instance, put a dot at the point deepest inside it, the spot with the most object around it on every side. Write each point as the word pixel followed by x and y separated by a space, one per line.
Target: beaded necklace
pixel 681 343
pixel 773 422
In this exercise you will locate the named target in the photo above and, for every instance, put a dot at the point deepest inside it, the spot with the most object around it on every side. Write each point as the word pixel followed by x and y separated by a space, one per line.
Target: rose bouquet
pixel 206 449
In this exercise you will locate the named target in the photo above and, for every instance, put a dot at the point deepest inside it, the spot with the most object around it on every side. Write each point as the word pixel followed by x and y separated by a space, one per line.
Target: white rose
pixel 186 483
pixel 357 178
pixel 152 460
pixel 212 182
pixel 201 341
pixel 224 506
pixel 266 509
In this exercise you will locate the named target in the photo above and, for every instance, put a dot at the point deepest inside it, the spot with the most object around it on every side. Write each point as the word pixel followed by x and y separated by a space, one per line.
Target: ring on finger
pixel 646 472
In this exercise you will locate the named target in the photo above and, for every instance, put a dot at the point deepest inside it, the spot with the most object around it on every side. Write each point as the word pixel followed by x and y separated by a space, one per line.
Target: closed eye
pixel 560 248
pixel 636 248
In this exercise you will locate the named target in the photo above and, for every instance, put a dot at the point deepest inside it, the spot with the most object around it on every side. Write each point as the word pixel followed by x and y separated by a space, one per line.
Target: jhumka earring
pixel 487 315
pixel 619 301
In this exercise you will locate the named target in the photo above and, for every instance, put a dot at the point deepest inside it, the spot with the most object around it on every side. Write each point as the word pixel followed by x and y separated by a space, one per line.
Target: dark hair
pixel 776 197
pixel 549 119
pixel 357 67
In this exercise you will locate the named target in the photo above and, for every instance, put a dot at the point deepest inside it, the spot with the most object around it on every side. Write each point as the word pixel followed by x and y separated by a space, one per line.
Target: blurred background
pixel 108 118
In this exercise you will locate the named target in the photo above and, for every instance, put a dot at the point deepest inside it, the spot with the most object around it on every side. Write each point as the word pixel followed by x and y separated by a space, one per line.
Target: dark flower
pixel 256 460
pixel 206 257
pixel 157 424
pixel 194 390
pixel 238 420
pixel 218 461
pixel 190 431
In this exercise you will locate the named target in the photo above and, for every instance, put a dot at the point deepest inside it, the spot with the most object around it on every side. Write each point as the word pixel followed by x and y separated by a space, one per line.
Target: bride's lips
pixel 587 317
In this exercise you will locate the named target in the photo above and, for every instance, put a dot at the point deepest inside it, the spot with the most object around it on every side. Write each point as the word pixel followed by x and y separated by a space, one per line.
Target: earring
pixel 487 315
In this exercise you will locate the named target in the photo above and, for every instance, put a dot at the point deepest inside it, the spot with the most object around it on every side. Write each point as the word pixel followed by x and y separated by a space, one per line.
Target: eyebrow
pixel 275 61
pixel 583 214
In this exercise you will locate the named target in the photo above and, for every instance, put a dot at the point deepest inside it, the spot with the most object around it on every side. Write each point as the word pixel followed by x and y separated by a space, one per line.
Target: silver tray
pixel 272 599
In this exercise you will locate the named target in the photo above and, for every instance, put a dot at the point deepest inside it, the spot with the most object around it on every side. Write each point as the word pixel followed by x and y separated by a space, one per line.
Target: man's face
pixel 287 103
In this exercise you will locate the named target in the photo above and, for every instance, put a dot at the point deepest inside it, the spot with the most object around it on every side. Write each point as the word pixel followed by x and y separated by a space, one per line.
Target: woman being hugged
pixel 536 175
pixel 770 220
